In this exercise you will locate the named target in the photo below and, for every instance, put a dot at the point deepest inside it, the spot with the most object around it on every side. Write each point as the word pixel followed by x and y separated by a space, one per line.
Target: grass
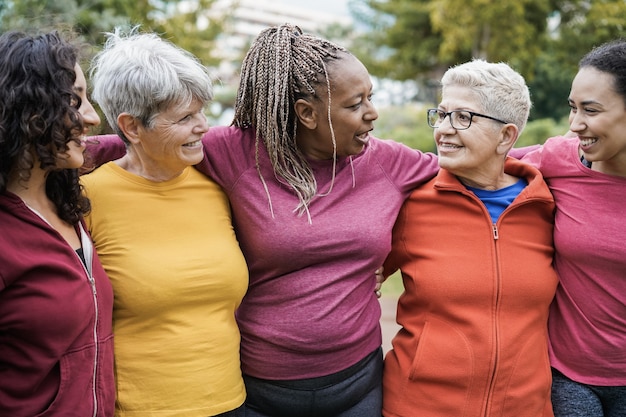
pixel 393 286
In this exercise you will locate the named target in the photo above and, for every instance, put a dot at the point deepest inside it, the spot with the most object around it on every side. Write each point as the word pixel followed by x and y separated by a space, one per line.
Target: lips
pixel 363 138
pixel 79 141
pixel 448 146
pixel 193 144
pixel 586 142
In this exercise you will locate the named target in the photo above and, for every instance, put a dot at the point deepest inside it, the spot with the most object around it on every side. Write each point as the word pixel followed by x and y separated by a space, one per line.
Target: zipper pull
pixel 495 232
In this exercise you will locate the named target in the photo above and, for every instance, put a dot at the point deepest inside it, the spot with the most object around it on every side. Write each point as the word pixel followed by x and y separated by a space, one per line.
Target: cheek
pixel 171 139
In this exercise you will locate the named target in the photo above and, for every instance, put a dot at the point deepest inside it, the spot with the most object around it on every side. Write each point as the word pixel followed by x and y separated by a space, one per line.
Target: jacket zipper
pixel 87 266
pixel 92 283
pixel 88 254
pixel 496 333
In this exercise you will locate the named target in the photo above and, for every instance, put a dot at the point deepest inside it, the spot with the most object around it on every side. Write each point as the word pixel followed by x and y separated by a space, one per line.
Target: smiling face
pixel 173 142
pixel 598 117
pixel 73 157
pixel 475 154
pixel 351 110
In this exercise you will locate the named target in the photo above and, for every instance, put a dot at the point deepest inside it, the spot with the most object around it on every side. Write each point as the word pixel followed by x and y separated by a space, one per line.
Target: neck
pixel 135 164
pixel 609 167
pixel 492 184
pixel 614 166
pixel 33 190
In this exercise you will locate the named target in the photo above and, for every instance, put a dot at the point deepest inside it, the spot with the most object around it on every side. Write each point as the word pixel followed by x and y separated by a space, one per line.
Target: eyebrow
pixel 586 102
pixel 359 95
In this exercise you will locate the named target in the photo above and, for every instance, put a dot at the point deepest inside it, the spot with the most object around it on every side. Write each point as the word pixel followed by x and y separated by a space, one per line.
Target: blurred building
pixel 244 19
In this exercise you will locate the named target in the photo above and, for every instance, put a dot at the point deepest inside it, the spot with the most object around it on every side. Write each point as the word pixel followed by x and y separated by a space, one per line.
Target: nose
pixel 445 125
pixel 576 121
pixel 203 123
pixel 371 113
pixel 90 116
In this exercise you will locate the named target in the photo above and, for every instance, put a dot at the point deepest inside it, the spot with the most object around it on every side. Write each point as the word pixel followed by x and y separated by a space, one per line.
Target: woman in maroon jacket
pixel 56 356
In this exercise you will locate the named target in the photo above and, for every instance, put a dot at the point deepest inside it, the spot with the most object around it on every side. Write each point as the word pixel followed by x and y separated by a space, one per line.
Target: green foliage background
pixel 404 40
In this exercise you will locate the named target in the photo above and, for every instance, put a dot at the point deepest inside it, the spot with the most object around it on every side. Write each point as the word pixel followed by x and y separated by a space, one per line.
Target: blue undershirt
pixel 497 201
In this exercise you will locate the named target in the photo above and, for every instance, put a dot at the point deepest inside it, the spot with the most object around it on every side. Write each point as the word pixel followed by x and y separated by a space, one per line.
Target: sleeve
pixel 396 256
pixel 225 155
pixel 534 157
pixel 407 167
pixel 102 149
pixel 518 153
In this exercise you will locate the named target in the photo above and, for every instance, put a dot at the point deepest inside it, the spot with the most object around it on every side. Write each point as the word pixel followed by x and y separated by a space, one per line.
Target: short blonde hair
pixel 501 90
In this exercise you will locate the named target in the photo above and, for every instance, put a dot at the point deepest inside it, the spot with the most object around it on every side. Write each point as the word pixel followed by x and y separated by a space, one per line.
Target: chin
pixel 72 163
pixel 444 162
pixel 195 161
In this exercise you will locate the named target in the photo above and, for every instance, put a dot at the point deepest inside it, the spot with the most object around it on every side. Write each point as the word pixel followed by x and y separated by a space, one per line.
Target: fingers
pixel 379 281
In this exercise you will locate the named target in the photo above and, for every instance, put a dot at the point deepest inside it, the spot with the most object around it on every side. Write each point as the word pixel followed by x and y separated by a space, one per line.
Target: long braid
pixel 282 66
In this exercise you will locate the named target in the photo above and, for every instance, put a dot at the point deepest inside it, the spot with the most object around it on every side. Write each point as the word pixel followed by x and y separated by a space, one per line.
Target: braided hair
pixel 282 66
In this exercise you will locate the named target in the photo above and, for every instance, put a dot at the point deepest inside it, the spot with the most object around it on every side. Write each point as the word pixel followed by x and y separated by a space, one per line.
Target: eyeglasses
pixel 459 119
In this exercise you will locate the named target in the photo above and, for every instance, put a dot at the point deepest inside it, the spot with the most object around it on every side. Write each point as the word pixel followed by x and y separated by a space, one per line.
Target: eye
pixel 463 116
pixel 441 114
pixel 186 118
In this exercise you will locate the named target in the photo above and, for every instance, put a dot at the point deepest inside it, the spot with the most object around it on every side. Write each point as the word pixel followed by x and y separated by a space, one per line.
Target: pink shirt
pixel 310 309
pixel 588 316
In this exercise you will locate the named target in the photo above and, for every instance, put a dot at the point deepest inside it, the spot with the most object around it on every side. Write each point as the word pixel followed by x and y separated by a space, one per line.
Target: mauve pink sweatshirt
pixel 310 309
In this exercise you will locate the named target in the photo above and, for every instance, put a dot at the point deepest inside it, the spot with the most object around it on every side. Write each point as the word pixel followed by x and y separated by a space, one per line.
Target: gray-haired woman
pixel 165 236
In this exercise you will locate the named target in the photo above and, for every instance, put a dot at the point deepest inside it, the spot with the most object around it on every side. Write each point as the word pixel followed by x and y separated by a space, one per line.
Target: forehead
pixel 80 82
pixel 348 73
pixel 457 97
pixel 592 85
pixel 178 109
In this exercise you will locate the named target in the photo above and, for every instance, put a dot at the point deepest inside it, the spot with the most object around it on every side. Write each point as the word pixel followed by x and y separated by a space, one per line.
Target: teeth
pixel 448 145
pixel 192 143
pixel 588 142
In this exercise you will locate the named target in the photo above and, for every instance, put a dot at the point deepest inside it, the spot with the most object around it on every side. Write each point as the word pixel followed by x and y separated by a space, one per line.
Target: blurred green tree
pixel 543 39
pixel 185 23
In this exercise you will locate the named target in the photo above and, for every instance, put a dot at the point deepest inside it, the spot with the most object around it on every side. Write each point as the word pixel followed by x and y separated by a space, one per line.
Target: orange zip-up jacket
pixel 475 307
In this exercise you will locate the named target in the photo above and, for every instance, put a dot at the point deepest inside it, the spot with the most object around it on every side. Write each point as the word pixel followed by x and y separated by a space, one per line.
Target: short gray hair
pixel 501 90
pixel 143 75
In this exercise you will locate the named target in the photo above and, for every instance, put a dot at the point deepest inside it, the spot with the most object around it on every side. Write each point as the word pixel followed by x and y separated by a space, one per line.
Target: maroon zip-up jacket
pixel 56 341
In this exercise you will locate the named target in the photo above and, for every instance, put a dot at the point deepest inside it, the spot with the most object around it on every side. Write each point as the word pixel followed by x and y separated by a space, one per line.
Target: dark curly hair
pixel 39 115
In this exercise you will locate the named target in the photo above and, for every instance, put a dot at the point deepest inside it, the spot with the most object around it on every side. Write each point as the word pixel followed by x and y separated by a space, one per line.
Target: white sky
pixel 327 6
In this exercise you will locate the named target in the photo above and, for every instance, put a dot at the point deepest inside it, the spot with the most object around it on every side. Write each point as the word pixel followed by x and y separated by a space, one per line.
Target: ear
pixel 508 137
pixel 130 126
pixel 306 113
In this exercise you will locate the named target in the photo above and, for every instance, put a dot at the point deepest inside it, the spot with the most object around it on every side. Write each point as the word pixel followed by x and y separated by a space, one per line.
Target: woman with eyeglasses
pixel 475 249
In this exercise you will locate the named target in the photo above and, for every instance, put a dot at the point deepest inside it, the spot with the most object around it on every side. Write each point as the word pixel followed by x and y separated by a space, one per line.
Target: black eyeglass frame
pixel 449 114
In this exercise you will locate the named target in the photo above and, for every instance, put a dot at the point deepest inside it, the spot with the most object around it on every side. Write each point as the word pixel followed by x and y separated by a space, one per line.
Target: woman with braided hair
pixel 314 199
